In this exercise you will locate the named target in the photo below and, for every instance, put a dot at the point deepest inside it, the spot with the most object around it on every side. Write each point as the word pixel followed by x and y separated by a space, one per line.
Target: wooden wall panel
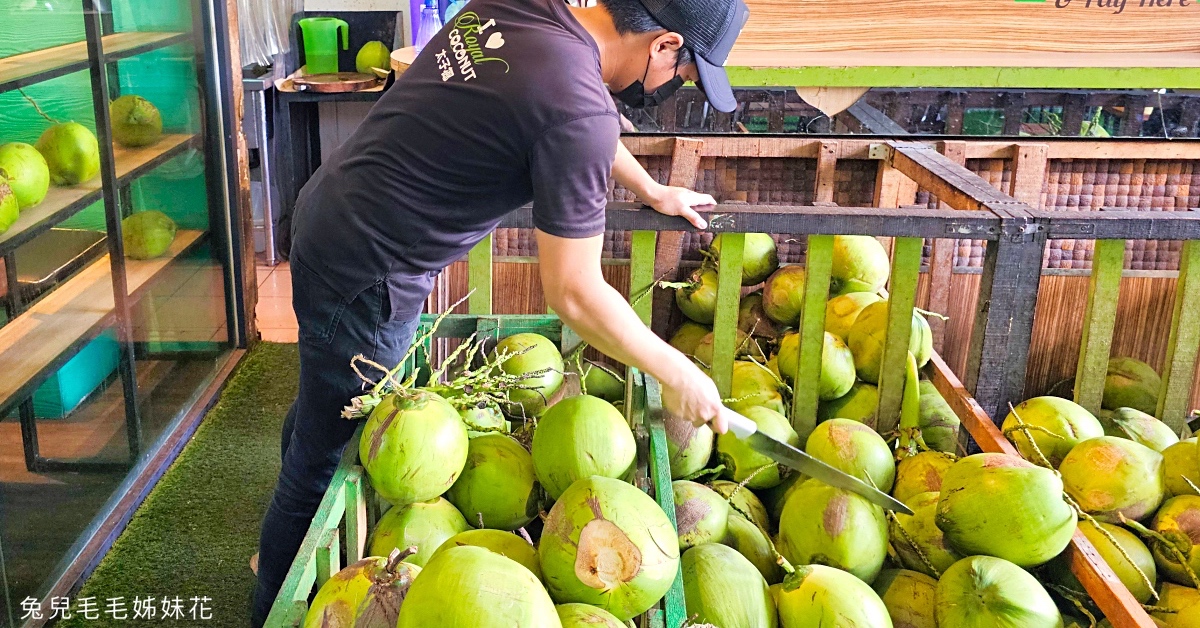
pixel 967 26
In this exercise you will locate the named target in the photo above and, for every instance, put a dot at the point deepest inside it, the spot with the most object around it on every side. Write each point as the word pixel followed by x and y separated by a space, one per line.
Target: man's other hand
pixel 677 201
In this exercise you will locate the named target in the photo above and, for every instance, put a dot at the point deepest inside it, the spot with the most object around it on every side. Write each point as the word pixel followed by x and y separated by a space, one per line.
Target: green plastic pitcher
pixel 320 43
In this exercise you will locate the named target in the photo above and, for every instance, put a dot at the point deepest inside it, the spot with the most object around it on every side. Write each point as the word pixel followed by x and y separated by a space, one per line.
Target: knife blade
pixel 785 454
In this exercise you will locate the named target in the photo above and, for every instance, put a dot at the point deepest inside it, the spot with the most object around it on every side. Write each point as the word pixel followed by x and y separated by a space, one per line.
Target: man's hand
pixel 676 201
pixel 693 396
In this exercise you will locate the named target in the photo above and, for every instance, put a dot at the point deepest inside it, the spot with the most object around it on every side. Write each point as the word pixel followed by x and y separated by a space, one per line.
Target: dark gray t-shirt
pixel 504 106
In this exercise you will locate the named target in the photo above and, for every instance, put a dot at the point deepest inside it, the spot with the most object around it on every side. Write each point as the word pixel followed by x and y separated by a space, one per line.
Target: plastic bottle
pixel 430 24
pixel 454 8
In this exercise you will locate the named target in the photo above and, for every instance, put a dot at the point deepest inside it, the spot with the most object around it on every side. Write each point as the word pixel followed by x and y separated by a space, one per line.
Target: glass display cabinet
pixel 120 291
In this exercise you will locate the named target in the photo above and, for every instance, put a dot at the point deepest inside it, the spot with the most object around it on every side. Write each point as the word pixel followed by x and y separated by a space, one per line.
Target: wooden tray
pixel 338 83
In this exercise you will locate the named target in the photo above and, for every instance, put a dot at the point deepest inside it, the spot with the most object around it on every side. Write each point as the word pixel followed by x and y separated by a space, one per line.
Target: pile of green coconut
pixel 67 154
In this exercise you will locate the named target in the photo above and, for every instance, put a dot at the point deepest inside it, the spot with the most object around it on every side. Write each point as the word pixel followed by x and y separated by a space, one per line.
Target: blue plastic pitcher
pixel 320 43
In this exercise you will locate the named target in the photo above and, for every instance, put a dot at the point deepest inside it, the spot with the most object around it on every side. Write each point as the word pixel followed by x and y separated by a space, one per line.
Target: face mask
pixel 635 95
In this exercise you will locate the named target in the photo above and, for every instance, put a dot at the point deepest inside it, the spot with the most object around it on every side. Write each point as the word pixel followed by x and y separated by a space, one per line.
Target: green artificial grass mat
pixel 194 534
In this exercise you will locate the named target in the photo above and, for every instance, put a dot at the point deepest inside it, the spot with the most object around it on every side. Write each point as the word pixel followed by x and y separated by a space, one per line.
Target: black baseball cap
pixel 709 29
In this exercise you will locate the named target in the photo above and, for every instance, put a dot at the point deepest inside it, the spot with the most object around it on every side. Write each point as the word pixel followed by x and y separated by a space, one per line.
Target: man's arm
pixel 576 290
pixel 665 199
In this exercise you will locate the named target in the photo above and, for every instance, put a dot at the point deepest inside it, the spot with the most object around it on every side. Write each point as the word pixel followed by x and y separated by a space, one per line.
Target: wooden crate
pixel 348 511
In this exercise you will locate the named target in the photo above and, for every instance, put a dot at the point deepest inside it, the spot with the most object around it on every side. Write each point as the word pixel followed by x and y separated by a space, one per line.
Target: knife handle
pixel 738 424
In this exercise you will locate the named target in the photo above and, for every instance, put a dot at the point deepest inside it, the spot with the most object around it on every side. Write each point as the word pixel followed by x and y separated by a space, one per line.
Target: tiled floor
pixel 276 320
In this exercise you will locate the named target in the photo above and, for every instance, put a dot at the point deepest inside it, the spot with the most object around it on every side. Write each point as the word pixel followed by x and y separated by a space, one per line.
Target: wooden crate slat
pixel 902 294
pixel 660 468
pixel 1184 343
pixel 356 515
pixel 1100 317
pixel 729 291
pixel 819 262
pixel 479 262
pixel 641 273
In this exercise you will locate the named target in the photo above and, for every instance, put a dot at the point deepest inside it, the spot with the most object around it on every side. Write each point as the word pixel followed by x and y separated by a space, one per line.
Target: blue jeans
pixel 333 329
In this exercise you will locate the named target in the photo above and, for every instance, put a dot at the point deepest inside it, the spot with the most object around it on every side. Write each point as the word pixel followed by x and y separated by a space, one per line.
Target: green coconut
pixel 746 465
pixel 503 543
pixel 424 525
pixel 608 544
pixel 744 347
pixel 939 425
pixel 413 447
pixel 754 385
pixel 26 172
pixel 921 473
pixel 603 382
pixel 759 257
pixel 586 616
pixel 841 311
pixel 1000 505
pixel 472 586
pixel 920 545
pixel 688 336
pixel 365 594
pixel 1110 477
pixel 1060 573
pixel 830 526
pixel 497 488
pixel 373 54
pixel 860 264
pixel 1131 383
pixel 536 357
pixel 1186 618
pixel 1070 423
pixel 1175 597
pixel 783 295
pixel 10 208
pixel 817 596
pixel 837 364
pixel 753 320
pixel 752 542
pixel 1179 521
pixel 868 335
pixel 689 447
pixel 721 587
pixel 776 497
pixel 701 514
pixel 989 592
pixel 909 597
pixel 72 153
pixel 147 234
pixel 135 121
pixel 484 420
pixel 854 448
pixel 1181 468
pixel 580 437
pixel 743 501
pixel 1139 427
pixel 859 404
pixel 698 299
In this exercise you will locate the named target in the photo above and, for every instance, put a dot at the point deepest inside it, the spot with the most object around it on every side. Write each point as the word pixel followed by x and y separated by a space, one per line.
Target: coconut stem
pixel 37 108
pixel 1190 483
pixel 1165 543
pixel 703 472
pixel 525 535
pixel 1025 428
pixel 912 544
pixel 420 341
pixel 1111 539
pixel 933 314
pixel 1073 597
pixel 397 556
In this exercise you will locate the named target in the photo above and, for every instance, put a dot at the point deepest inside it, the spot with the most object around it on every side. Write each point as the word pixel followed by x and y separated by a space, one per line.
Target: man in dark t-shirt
pixel 510 103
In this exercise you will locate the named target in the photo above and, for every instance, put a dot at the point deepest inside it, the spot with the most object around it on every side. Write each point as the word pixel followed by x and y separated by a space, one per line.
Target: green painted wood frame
pixel 906 261
pixel 1183 344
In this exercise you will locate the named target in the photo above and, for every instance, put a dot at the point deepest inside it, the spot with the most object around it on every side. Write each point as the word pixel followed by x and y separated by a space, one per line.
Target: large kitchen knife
pixel 785 454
